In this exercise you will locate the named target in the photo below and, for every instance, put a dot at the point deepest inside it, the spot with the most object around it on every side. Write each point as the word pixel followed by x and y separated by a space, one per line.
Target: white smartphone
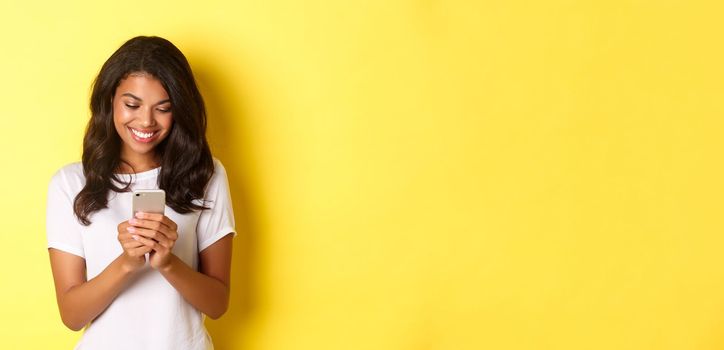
pixel 149 201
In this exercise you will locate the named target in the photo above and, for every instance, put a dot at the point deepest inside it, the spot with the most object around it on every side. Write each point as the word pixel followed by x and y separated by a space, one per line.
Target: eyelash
pixel 136 107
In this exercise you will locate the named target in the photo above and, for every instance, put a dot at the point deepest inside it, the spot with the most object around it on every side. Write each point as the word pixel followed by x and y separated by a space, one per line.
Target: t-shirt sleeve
pixel 62 229
pixel 217 221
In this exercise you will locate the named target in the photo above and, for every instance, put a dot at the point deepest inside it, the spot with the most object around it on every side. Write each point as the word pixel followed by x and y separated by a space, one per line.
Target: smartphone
pixel 149 201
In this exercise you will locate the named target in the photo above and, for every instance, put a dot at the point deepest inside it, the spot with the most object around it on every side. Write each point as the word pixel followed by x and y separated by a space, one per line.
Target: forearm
pixel 82 303
pixel 207 294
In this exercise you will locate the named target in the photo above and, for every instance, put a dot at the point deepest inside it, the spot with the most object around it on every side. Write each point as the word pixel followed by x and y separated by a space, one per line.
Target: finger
pixel 128 242
pixel 136 252
pixel 149 216
pixel 122 226
pixel 133 244
pixel 151 234
pixel 152 225
pixel 169 223
pixel 158 217
pixel 125 236
pixel 156 226
pixel 128 246
pixel 149 243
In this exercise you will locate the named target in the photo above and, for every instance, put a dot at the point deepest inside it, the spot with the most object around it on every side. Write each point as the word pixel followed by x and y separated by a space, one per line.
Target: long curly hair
pixel 186 161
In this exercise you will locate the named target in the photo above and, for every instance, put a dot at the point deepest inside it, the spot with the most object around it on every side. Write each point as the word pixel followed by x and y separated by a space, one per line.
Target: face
pixel 141 114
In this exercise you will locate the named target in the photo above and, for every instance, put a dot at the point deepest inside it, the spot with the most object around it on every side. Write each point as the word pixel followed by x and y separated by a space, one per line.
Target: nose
pixel 147 119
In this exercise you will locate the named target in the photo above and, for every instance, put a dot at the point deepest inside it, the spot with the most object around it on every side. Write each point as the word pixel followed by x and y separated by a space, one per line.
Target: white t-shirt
pixel 149 313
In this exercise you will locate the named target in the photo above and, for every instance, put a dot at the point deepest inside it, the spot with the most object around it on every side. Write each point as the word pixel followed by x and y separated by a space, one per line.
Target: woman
pixel 142 282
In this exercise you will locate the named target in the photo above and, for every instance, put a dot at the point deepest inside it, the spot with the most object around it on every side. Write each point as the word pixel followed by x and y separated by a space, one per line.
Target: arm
pixel 207 289
pixel 80 301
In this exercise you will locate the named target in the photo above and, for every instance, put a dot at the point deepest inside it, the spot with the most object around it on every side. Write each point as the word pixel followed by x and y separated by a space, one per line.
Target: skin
pixel 141 102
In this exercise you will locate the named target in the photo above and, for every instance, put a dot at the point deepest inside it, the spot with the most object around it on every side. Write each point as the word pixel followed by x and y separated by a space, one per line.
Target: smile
pixel 143 136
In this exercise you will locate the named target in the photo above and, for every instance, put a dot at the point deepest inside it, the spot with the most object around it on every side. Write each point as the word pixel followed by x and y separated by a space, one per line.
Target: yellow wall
pixel 412 174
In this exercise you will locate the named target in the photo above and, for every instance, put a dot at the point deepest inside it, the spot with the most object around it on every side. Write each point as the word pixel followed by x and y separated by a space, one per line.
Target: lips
pixel 143 136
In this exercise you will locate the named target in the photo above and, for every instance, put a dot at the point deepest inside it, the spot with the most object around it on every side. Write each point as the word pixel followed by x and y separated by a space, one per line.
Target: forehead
pixel 144 86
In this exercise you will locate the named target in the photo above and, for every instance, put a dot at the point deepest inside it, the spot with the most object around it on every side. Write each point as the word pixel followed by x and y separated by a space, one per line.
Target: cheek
pixel 166 121
pixel 121 116
pixel 120 119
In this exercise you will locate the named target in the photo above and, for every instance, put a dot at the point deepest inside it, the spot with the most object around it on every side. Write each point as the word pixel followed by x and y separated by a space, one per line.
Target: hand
pixel 156 232
pixel 133 251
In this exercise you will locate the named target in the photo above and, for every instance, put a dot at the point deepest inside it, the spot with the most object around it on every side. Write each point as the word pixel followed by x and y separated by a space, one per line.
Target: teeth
pixel 142 134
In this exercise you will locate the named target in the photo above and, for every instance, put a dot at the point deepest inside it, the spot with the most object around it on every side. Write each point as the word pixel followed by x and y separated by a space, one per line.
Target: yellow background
pixel 411 174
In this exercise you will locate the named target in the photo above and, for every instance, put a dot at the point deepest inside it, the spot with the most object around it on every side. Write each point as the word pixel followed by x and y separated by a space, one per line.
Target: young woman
pixel 142 282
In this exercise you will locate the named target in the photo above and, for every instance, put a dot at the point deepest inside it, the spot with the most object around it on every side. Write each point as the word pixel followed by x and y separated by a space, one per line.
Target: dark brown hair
pixel 186 161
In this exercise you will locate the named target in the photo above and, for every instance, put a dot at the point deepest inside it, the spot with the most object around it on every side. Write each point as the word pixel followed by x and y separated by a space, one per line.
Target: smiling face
pixel 142 117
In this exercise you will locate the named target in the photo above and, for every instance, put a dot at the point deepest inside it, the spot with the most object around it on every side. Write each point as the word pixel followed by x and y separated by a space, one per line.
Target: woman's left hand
pixel 157 232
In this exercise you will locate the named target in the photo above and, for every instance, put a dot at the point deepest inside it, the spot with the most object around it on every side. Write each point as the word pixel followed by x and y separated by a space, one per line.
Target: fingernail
pixel 134 237
pixel 131 229
pixel 133 221
pixel 139 215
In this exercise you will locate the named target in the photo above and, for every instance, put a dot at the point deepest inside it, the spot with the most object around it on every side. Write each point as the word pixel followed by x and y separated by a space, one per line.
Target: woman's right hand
pixel 134 252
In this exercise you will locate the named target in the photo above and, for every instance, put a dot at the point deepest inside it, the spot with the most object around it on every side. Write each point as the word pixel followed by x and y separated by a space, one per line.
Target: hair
pixel 186 161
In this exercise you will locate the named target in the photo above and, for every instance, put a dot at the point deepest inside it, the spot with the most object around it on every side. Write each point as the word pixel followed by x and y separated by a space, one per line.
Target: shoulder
pixel 219 170
pixel 218 179
pixel 70 177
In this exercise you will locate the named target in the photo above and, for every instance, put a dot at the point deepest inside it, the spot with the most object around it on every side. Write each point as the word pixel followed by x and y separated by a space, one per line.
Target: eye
pixel 131 106
pixel 164 110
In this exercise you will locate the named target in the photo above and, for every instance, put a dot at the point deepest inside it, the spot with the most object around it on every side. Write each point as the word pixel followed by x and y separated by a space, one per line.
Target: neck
pixel 136 163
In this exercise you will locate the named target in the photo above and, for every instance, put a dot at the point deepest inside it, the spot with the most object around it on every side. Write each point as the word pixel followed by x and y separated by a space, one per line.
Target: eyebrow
pixel 139 99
